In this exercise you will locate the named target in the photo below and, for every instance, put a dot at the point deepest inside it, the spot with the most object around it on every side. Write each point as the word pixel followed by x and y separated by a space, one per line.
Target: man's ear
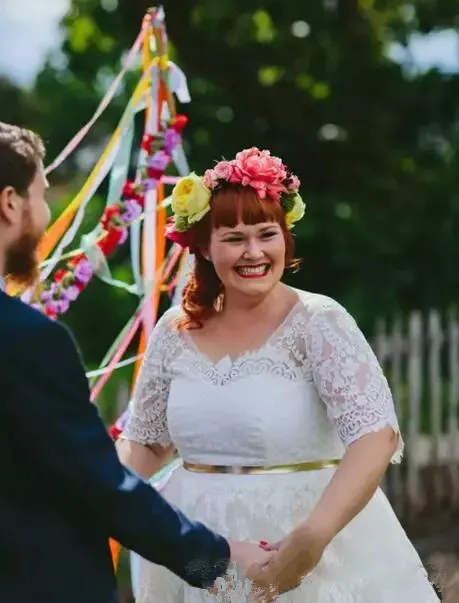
pixel 10 205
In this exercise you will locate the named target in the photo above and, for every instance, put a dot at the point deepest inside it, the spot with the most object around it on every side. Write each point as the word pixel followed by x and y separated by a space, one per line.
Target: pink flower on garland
pixel 171 139
pixel 132 210
pixel 158 163
pixel 83 272
pixel 69 283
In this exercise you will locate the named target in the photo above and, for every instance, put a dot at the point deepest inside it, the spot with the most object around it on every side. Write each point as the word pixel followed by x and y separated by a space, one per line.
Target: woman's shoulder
pixel 317 303
pixel 170 319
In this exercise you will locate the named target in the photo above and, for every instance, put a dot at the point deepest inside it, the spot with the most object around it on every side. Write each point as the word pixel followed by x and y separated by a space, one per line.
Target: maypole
pixel 135 210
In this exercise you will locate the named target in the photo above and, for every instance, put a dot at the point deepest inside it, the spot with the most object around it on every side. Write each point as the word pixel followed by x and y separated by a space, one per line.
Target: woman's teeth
pixel 248 271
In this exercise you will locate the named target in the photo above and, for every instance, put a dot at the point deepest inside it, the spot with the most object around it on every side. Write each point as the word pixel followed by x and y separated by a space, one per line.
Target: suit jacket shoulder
pixel 21 324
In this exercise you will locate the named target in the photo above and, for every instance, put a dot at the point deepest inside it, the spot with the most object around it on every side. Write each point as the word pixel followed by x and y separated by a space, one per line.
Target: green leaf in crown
pixel 288 202
pixel 181 223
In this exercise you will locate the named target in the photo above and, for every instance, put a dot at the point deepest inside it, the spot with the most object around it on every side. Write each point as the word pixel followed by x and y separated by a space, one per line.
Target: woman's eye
pixel 268 235
pixel 233 240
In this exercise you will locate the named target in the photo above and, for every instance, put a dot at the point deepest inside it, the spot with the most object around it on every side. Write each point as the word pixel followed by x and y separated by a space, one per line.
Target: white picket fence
pixel 420 356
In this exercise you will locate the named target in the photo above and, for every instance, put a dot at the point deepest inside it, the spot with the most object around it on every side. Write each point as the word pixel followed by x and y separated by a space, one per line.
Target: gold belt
pixel 245 470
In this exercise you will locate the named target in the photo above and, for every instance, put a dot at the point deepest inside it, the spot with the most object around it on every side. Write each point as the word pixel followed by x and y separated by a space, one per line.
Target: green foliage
pixel 374 144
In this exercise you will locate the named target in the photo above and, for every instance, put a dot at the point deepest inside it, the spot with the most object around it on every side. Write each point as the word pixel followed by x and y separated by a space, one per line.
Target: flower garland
pixel 260 170
pixel 68 283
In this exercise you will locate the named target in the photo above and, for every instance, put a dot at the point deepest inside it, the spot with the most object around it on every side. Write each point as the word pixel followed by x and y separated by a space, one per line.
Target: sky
pixel 29 31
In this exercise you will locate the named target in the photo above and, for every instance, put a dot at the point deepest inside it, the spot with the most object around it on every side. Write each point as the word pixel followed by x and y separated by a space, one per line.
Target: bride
pixel 276 404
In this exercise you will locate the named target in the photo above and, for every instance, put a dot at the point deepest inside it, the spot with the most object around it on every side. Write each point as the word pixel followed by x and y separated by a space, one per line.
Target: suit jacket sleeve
pixel 51 413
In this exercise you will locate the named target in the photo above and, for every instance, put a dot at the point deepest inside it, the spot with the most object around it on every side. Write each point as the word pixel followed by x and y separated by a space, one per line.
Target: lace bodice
pixel 310 391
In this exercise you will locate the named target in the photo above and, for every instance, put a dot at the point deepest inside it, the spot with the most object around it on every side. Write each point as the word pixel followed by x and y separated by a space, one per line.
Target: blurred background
pixel 361 100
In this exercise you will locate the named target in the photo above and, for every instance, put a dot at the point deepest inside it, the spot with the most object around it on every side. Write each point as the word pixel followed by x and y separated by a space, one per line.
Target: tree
pixel 373 143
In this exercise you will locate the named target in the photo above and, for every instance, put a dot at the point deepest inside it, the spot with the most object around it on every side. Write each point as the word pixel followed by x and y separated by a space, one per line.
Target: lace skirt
pixel 370 560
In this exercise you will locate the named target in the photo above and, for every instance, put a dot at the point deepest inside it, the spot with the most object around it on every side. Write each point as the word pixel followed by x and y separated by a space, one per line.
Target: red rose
pixel 147 142
pixel 140 199
pixel 50 313
pixel 129 190
pixel 76 260
pixel 60 275
pixel 179 122
pixel 113 211
pixel 184 239
pixel 154 173
pixel 110 242
pixel 114 432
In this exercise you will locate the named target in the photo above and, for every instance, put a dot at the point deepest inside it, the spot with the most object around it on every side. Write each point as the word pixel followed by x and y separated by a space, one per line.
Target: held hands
pixel 247 556
pixel 292 559
pixel 276 568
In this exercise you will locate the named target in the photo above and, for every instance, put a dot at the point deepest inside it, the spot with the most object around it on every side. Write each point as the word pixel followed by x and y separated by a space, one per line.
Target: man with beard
pixel 63 490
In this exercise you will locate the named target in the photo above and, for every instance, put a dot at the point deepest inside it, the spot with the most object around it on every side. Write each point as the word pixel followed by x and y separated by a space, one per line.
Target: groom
pixel 63 492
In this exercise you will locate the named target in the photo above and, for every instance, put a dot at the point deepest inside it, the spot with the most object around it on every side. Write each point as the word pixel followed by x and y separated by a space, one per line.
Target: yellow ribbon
pixel 62 223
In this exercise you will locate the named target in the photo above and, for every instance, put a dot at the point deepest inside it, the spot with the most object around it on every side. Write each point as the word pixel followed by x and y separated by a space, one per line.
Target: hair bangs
pixel 234 205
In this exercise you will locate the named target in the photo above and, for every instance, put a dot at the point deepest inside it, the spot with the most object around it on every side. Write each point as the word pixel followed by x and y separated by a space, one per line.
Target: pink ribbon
pixel 116 358
pixel 72 145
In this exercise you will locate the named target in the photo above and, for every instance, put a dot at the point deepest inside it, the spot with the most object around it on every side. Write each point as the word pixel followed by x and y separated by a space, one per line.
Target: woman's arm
pixel 145 444
pixel 144 460
pixel 353 485
pixel 352 385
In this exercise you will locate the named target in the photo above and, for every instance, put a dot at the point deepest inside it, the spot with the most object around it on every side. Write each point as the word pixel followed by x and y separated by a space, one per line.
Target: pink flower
pixel 57 306
pixel 210 179
pixel 294 183
pixel 181 238
pixel 159 161
pixel 253 151
pixel 260 170
pixel 124 236
pixel 224 170
pixel 274 191
pixel 83 272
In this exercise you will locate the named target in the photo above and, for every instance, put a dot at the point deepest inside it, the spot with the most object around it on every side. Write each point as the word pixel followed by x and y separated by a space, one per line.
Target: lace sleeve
pixel 348 377
pixel 147 420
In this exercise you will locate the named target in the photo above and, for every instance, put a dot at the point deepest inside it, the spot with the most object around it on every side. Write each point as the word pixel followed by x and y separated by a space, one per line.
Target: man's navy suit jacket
pixel 63 492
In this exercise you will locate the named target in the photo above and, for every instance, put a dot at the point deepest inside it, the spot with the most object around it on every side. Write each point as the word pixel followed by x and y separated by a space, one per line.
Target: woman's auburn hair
pixel 229 206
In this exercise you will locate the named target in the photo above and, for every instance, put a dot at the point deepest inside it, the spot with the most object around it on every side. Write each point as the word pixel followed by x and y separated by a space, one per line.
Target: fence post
pixel 414 403
pixel 397 391
pixel 435 401
pixel 453 402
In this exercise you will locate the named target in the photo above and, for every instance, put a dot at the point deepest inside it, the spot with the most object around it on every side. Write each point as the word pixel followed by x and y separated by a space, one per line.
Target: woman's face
pixel 248 259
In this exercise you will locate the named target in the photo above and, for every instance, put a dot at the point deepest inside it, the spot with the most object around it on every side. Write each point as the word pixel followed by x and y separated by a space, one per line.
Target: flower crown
pixel 266 174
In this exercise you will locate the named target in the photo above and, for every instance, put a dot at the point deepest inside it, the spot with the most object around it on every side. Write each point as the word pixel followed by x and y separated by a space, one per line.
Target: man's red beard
pixel 22 264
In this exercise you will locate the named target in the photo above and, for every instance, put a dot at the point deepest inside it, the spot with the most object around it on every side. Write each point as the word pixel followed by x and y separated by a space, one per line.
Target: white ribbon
pixel 178 83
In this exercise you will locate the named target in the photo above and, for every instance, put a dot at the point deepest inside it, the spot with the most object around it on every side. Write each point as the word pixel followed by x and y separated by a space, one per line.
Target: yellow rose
pixel 190 198
pixel 297 211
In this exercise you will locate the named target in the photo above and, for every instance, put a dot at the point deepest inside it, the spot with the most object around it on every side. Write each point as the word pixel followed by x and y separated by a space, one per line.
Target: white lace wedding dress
pixel 305 395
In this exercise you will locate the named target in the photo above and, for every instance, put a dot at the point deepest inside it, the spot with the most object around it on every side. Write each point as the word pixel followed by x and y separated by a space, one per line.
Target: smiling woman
pixel 276 404
pixel 242 237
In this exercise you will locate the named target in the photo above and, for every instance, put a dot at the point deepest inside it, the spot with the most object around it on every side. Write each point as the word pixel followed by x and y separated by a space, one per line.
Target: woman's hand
pixel 245 555
pixel 270 546
pixel 292 559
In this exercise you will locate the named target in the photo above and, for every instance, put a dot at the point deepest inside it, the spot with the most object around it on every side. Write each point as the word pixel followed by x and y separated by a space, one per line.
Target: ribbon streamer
pixel 104 103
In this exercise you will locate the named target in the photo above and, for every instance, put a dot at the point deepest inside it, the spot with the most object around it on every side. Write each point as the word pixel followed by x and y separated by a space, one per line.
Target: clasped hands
pixel 274 569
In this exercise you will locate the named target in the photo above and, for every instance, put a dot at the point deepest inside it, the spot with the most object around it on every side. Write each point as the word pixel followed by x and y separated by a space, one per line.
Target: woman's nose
pixel 253 249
